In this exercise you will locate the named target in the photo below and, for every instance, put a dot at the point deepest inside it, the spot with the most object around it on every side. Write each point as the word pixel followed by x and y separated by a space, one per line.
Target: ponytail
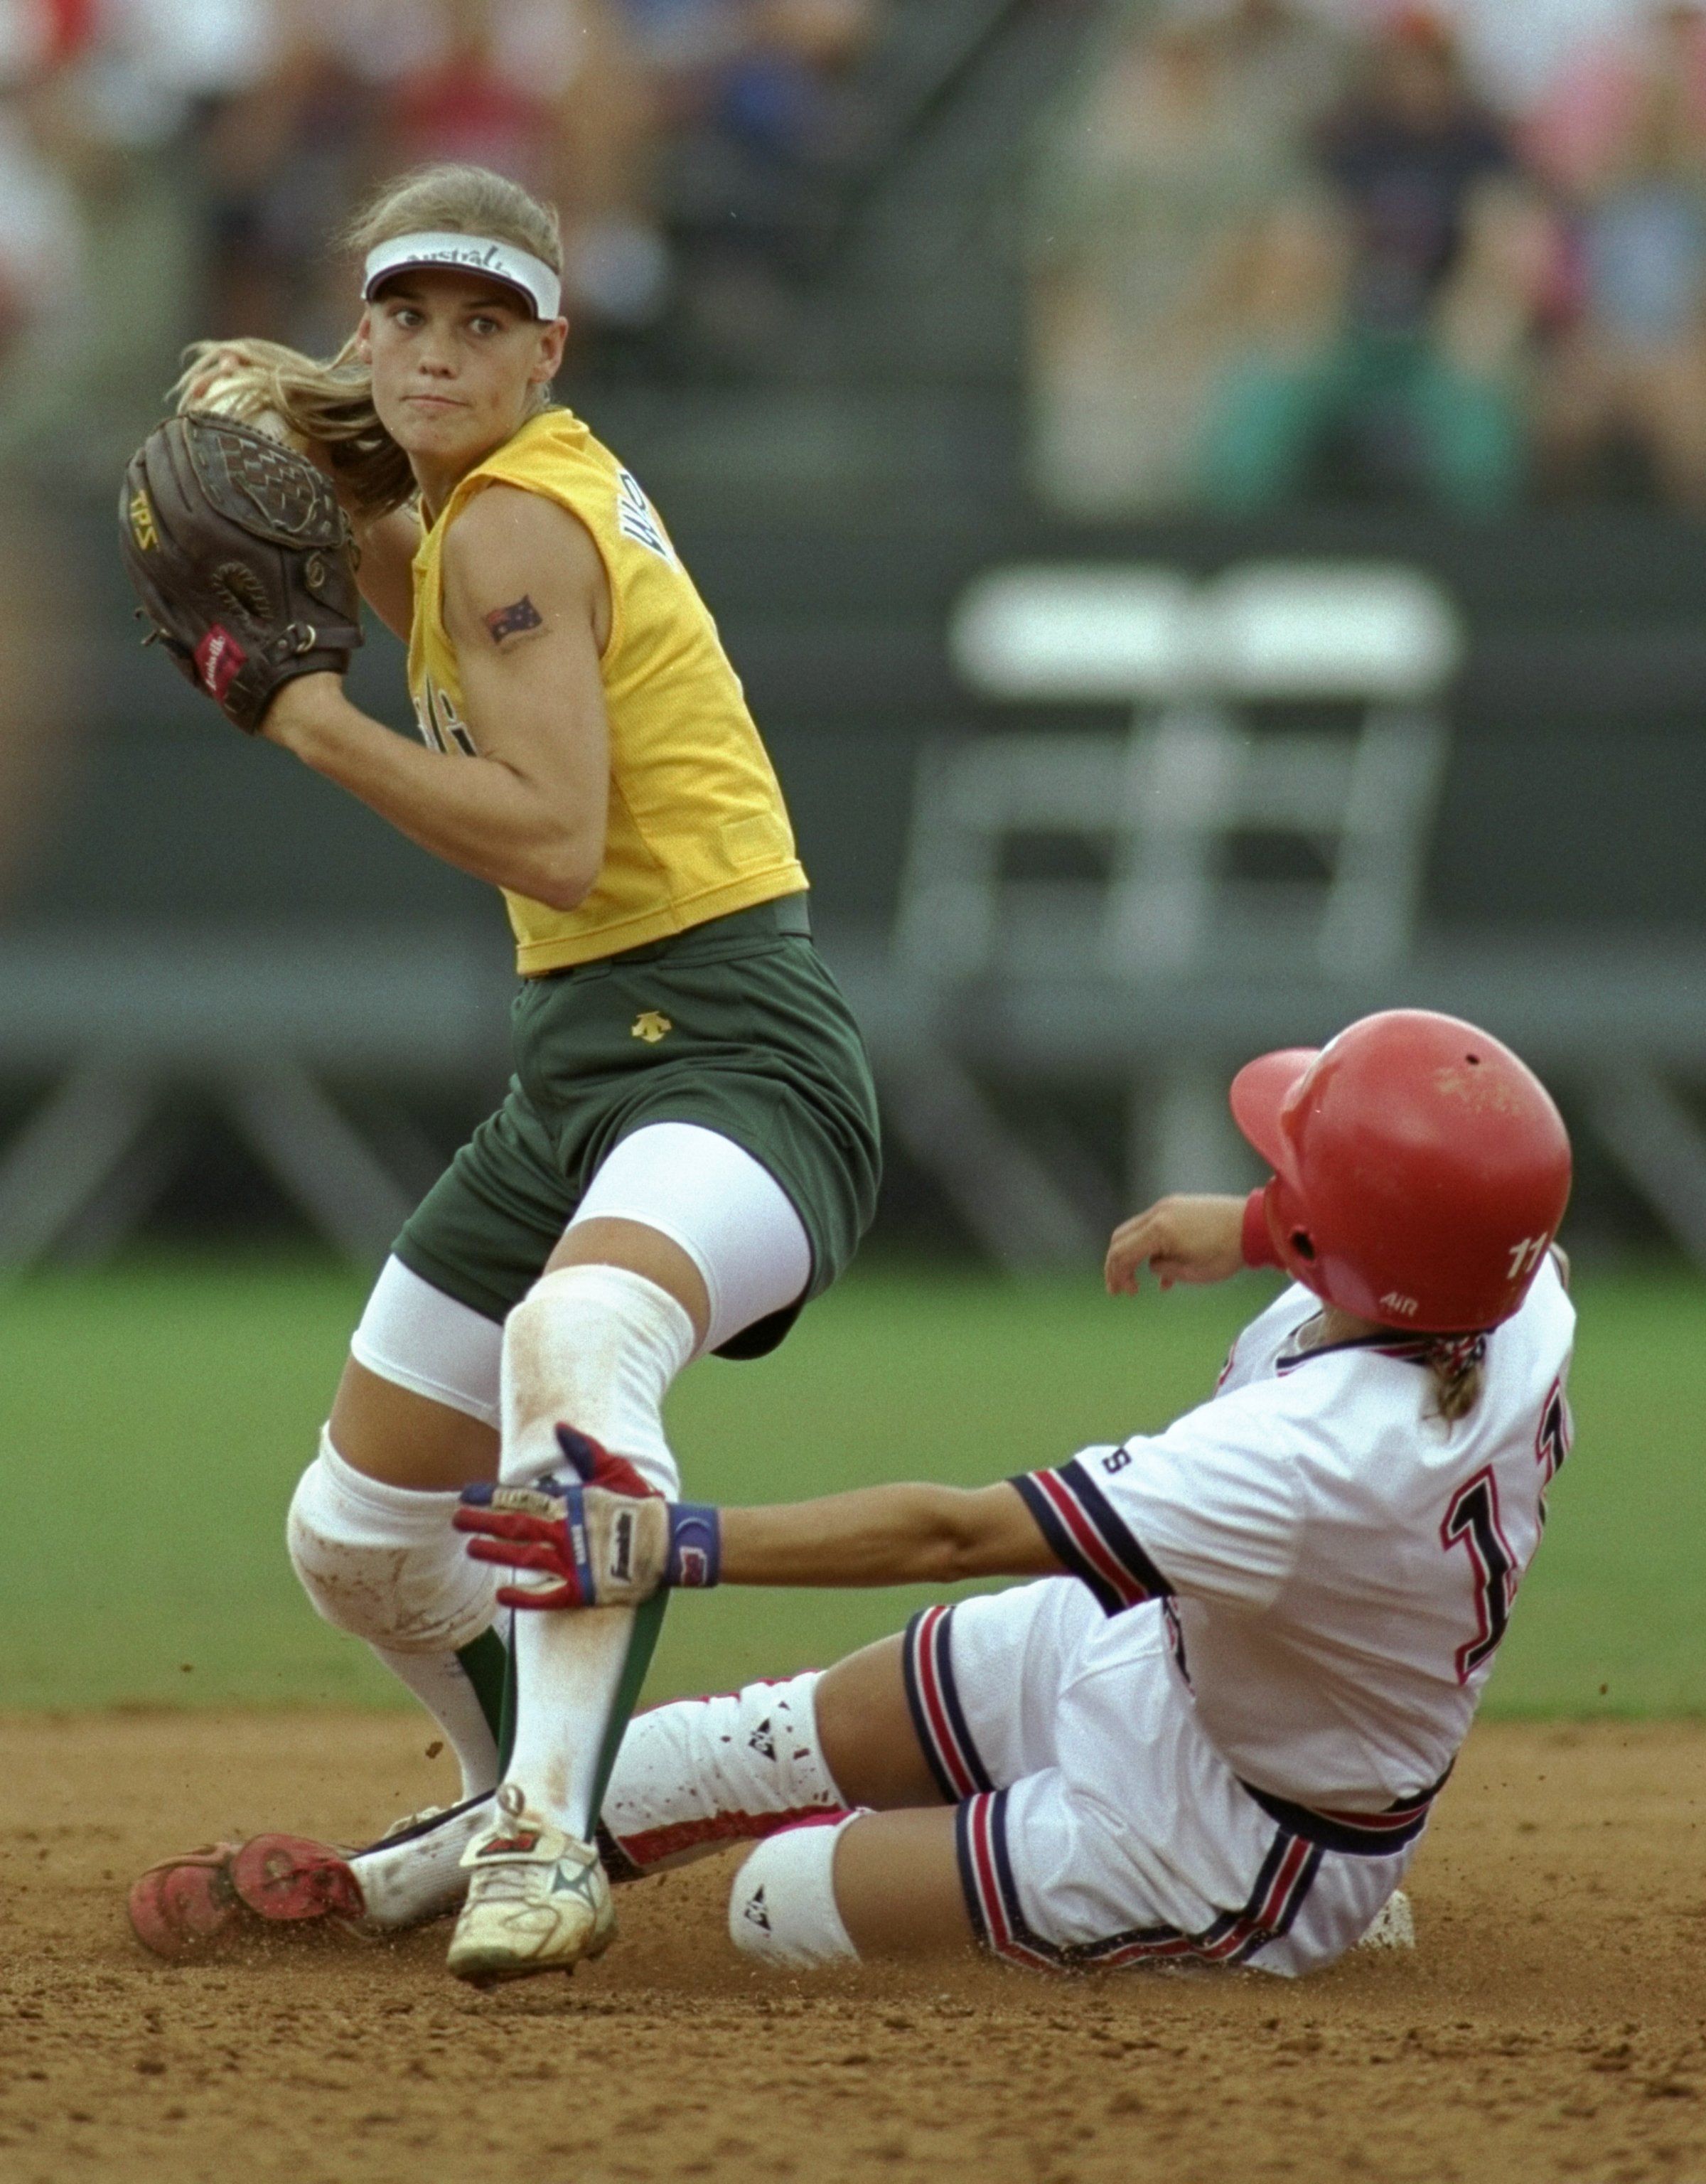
pixel 1457 1363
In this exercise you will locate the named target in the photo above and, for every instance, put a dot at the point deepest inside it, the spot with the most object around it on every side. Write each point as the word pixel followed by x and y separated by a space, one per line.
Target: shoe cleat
pixel 189 1905
pixel 185 1906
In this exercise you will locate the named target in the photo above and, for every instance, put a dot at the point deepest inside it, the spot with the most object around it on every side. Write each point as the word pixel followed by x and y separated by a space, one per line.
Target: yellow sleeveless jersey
pixel 697 825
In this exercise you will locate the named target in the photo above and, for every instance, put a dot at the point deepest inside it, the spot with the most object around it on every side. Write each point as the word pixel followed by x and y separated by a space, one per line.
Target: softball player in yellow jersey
pixel 688 1150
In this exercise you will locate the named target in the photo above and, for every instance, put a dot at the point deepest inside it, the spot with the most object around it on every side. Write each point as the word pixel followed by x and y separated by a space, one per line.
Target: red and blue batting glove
pixel 603 1535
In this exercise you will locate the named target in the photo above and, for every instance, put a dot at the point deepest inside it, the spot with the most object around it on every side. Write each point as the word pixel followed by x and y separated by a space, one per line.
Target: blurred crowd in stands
pixel 1274 247
pixel 170 167
pixel 1286 246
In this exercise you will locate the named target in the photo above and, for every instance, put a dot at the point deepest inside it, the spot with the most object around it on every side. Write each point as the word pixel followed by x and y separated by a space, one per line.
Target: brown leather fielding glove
pixel 242 558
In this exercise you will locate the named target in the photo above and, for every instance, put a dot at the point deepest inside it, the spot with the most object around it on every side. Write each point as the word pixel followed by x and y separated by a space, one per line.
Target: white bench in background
pixel 1365 653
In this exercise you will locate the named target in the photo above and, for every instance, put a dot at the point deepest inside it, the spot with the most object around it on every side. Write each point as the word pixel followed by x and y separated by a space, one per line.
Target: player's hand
pixel 1180 1239
pixel 601 1538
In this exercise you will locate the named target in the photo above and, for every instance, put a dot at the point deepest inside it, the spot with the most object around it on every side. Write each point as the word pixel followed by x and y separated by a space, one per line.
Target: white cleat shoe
pixel 538 1899
pixel 1396 1926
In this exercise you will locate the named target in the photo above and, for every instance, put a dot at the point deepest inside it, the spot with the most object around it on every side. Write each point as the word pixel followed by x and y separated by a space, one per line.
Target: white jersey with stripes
pixel 1341 1562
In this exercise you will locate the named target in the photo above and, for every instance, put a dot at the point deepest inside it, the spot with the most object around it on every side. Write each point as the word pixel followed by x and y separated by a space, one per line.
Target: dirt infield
pixel 1552 2025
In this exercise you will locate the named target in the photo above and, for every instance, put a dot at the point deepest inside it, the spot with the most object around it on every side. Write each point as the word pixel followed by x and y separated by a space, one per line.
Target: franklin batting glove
pixel 602 1536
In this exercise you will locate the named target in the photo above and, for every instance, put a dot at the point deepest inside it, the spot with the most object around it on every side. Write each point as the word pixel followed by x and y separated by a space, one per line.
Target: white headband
pixel 470 253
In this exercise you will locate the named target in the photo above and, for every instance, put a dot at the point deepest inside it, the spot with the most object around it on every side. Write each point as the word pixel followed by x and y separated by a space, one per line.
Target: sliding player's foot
pixel 182 1907
pixel 192 1904
pixel 185 1905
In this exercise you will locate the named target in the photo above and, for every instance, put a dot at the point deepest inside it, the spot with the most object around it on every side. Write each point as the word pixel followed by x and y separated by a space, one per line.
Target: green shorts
pixel 735 1025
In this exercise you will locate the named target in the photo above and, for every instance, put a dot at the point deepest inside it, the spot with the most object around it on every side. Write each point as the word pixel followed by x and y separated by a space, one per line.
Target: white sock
pixel 383 1562
pixel 596 1348
pixel 702 1773
pixel 418 1874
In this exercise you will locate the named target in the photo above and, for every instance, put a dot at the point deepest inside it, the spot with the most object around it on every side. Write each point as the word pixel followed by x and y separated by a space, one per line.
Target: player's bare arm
pixel 912 1535
pixel 606 1539
pixel 528 809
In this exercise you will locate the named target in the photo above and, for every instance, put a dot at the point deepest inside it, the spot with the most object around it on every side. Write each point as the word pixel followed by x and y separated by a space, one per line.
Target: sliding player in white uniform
pixel 1213 1731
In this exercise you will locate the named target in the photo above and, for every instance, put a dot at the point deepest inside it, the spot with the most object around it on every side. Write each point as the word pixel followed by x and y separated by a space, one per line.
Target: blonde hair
pixel 458 201
pixel 333 403
pixel 1457 1364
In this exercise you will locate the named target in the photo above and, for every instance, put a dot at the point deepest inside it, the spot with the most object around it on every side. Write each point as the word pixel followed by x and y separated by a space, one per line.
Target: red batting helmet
pixel 1419 1169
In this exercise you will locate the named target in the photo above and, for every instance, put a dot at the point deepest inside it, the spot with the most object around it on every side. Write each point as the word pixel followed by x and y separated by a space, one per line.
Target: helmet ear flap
pixel 1293 1231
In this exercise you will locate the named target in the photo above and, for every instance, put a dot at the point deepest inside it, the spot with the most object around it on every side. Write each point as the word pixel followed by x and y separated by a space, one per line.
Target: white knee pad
pixel 782 1907
pixel 593 1347
pixel 383 1561
pixel 722 1207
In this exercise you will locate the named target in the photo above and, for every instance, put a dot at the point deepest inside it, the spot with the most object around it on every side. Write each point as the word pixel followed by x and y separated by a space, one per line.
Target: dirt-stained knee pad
pixel 383 1562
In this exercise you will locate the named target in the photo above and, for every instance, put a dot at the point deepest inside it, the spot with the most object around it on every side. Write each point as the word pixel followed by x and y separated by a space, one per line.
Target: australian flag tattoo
pixel 511 621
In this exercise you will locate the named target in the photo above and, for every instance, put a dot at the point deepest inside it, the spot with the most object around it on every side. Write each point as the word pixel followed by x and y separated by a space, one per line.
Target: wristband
pixel 1256 1242
pixel 695 1544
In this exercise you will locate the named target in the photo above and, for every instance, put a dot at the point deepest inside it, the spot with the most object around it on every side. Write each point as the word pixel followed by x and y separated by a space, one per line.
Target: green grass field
pixel 155 1419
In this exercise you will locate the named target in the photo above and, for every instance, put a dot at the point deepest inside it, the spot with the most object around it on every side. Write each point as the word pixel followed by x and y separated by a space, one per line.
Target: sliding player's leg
pixel 873 1884
pixel 952 1722
pixel 1107 1830
pixel 691 1778
pixel 799 1765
